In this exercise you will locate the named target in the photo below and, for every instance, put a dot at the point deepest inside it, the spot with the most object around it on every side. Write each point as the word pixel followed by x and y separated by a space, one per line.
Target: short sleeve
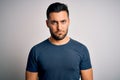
pixel 85 62
pixel 32 61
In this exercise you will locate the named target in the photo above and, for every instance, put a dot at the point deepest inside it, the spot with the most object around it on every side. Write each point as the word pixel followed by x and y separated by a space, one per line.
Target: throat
pixel 59 42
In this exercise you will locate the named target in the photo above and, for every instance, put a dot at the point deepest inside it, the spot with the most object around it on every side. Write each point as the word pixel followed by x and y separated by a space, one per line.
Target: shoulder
pixel 38 48
pixel 79 47
pixel 41 45
pixel 77 44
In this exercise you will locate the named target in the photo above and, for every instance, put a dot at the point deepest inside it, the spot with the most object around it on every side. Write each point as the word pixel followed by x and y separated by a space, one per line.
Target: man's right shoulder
pixel 41 45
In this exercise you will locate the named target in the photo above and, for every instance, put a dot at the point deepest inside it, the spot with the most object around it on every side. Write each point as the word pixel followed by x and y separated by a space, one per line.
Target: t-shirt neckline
pixel 58 45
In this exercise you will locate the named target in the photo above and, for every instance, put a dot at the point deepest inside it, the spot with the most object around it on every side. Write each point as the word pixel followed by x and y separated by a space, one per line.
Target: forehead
pixel 58 15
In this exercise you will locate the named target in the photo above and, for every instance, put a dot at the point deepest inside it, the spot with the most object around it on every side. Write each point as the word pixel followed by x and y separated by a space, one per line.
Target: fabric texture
pixel 58 62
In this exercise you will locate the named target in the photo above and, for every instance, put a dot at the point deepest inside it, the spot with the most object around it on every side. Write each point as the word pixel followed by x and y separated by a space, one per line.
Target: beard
pixel 57 35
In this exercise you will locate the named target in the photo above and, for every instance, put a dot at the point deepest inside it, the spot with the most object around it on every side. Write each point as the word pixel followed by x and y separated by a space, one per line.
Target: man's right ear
pixel 47 23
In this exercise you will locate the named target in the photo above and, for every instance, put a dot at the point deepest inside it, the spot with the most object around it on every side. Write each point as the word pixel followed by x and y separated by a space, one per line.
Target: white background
pixel 95 23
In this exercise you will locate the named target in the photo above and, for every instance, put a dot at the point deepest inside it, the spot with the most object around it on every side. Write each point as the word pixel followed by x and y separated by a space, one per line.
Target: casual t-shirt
pixel 58 62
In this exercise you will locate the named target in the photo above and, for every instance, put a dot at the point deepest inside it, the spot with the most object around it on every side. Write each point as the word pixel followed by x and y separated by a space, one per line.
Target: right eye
pixel 53 22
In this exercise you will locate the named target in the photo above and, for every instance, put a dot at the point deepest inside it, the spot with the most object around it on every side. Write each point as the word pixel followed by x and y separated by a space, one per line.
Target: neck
pixel 59 42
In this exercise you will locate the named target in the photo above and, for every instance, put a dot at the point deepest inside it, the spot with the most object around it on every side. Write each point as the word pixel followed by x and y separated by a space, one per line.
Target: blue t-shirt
pixel 58 62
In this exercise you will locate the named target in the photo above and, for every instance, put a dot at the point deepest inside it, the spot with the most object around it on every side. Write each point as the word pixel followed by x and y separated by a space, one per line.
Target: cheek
pixel 66 27
pixel 53 29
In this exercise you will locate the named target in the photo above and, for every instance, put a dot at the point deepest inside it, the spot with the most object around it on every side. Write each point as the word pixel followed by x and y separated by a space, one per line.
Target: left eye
pixel 63 22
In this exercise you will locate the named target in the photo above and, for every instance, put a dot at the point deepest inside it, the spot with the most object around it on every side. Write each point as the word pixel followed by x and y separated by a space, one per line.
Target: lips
pixel 59 31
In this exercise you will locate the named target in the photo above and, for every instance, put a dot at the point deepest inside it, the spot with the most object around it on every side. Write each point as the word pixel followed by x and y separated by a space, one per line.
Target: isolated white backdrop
pixel 95 23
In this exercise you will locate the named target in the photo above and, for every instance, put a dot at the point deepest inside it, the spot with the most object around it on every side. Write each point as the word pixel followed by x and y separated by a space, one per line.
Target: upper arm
pixel 31 75
pixel 87 74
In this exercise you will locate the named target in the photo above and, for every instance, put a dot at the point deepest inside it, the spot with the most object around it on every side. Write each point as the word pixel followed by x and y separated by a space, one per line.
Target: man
pixel 58 57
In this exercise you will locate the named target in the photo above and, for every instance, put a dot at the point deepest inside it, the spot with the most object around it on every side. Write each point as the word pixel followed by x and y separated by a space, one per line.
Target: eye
pixel 63 21
pixel 53 22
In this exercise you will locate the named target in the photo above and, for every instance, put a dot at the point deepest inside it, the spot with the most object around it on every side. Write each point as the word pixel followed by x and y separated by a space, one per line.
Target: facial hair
pixel 58 37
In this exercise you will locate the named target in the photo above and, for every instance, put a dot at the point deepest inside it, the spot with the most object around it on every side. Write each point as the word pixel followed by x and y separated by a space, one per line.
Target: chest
pixel 59 59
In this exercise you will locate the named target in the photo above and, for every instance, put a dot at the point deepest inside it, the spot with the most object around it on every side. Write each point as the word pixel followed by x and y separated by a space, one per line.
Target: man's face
pixel 58 23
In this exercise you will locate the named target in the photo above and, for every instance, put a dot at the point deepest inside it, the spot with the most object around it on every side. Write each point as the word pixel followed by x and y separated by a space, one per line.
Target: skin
pixel 58 24
pixel 87 74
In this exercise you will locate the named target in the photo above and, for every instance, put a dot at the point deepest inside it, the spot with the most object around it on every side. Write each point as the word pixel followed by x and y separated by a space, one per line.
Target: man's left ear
pixel 69 21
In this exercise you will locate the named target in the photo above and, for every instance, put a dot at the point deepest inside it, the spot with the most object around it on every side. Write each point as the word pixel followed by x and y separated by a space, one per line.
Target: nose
pixel 59 26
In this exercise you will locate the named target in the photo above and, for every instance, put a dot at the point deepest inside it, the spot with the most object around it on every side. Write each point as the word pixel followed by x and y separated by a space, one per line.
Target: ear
pixel 69 21
pixel 47 23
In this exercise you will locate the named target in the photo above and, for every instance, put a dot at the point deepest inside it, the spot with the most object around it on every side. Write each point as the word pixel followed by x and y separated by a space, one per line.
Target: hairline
pixel 57 12
pixel 64 9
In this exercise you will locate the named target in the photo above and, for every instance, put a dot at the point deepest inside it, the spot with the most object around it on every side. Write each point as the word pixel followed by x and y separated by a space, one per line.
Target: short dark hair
pixel 57 7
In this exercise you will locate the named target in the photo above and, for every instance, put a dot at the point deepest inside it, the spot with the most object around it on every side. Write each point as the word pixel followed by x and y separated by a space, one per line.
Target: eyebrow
pixel 63 20
pixel 57 21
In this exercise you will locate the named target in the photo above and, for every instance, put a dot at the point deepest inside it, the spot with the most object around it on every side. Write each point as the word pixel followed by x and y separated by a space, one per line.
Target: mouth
pixel 60 33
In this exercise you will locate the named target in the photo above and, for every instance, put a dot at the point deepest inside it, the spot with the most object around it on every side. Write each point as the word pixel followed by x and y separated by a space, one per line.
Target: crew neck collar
pixel 60 44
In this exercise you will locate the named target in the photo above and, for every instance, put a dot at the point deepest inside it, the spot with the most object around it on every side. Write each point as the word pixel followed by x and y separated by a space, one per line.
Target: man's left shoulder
pixel 78 44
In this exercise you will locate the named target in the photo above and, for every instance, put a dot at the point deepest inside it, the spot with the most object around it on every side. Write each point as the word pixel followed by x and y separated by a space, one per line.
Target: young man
pixel 59 57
